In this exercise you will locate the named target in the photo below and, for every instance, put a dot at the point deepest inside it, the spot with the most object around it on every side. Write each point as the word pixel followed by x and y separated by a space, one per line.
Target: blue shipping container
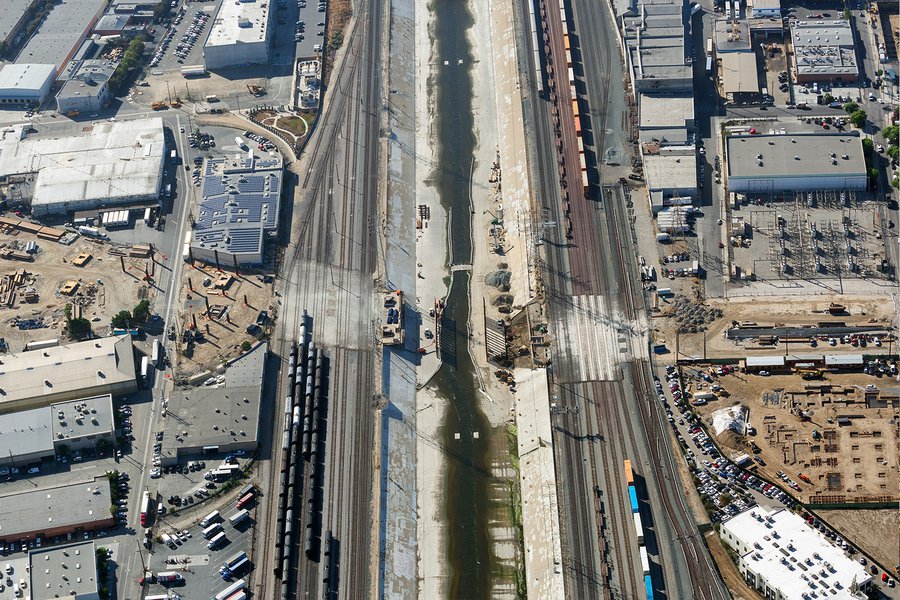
pixel 648 583
pixel 633 495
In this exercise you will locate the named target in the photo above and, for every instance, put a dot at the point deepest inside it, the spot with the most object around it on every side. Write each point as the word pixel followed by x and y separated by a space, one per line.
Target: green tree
pixel 858 118
pixel 141 312
pixel 893 152
pixel 122 320
pixel 245 346
pixel 890 133
pixel 827 99
pixel 851 107
pixel 868 147
pixel 79 328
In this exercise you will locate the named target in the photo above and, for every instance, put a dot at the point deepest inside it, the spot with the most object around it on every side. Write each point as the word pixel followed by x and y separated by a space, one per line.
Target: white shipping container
pixel 639 528
pixel 645 561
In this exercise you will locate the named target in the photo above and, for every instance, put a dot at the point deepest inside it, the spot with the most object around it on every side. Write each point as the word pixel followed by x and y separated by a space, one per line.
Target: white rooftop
pixel 798 560
pixel 111 162
pixel 75 370
pixel 240 22
pixel 25 76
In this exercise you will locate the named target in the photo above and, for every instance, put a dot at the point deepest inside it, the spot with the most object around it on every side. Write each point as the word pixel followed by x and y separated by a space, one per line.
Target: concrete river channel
pixel 468 474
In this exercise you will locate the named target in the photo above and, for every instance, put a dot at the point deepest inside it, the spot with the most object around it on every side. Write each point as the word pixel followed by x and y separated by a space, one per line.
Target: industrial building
pixel 765 9
pixel 87 90
pixel 30 436
pixel 81 370
pixel 50 511
pixel 784 558
pixel 824 52
pixel 61 32
pixel 667 120
pixel 238 210
pixel 26 83
pixel 220 418
pixel 795 162
pixel 240 34
pixel 657 54
pixel 671 175
pixel 731 36
pixel 64 572
pixel 740 80
pixel 114 164
pixel 13 18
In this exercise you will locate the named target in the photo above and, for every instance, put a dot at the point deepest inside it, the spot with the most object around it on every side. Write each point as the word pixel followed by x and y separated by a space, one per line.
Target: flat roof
pixel 86 365
pixel 739 75
pixel 764 361
pixel 25 77
pixel 63 571
pixel 844 359
pixel 71 505
pixel 112 162
pixel 824 48
pixel 240 202
pixel 821 33
pixel 217 416
pixel 676 173
pixel 59 32
pixel 12 13
pixel 766 4
pixel 794 155
pixel 731 36
pixel 26 432
pixel 87 78
pixel 669 111
pixel 75 419
pixel 780 546
pixel 242 22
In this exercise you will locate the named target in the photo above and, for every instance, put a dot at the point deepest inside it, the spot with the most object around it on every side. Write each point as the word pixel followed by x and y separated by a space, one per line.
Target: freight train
pixel 639 529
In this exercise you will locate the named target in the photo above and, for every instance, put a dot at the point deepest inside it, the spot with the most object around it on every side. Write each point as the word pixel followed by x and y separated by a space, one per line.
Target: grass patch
pixel 515 503
pixel 293 124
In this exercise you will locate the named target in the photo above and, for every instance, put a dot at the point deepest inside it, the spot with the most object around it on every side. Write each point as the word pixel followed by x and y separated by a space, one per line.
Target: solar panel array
pixel 238 207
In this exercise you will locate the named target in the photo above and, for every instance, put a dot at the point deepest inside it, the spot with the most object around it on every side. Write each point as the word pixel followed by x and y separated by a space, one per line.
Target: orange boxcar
pixel 629 476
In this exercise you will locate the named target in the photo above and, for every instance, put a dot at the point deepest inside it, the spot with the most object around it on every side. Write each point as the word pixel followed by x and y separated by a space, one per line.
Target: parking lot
pixel 304 21
pixel 181 43
pixel 188 552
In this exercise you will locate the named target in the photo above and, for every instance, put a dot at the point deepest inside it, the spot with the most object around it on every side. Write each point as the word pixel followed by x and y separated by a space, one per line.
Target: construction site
pixel 833 435
pixel 44 269
pixel 221 310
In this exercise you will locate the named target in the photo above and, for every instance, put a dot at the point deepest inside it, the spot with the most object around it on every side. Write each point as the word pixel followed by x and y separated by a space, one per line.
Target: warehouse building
pixel 667 120
pixel 87 90
pixel 824 52
pixel 740 80
pixel 60 510
pixel 30 436
pixel 671 175
pixel 26 83
pixel 238 211
pixel 795 162
pixel 783 558
pixel 240 35
pixel 114 164
pixel 731 36
pixel 656 49
pixel 81 370
pixel 765 9
pixel 64 572
pixel 212 419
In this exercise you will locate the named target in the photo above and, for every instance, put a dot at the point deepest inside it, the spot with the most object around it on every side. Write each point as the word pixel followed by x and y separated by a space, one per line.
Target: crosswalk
pixel 588 338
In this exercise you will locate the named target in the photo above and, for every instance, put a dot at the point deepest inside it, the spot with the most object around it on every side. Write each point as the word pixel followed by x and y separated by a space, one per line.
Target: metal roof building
pixel 824 51
pixel 240 34
pixel 26 83
pixel 43 377
pixel 667 120
pixel 781 556
pixel 731 36
pixel 64 572
pixel 219 418
pixel 114 164
pixel 793 162
pixel 844 361
pixel 56 510
pixel 238 210
pixel 761 9
pixel 61 32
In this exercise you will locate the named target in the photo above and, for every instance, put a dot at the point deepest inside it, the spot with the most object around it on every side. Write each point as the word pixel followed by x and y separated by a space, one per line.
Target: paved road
pixel 327 271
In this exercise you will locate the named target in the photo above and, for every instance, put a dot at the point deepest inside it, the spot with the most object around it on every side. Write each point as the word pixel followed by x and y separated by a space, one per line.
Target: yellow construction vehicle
pixel 159 105
pixel 73 113
pixel 811 374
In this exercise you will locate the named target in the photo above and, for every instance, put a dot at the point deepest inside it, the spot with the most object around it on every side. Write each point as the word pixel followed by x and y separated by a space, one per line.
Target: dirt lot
pixel 49 272
pixel 765 312
pixel 224 327
pixel 852 463
pixel 858 525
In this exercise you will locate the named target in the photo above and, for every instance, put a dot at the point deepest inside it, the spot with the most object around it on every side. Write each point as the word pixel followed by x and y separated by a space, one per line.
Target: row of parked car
pixel 263 143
